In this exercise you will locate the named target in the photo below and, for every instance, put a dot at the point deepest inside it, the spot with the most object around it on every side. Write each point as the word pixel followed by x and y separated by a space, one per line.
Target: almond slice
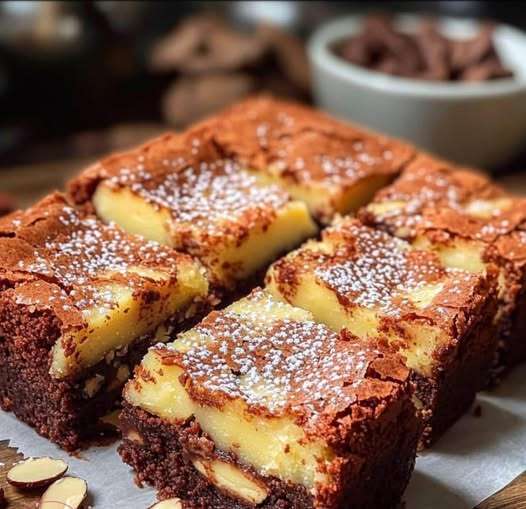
pixel 231 479
pixel 111 419
pixel 35 473
pixel 170 503
pixel 66 493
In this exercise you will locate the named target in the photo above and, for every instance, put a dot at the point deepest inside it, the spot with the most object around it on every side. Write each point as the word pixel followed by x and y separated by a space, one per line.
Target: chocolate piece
pixel 424 54
pixel 205 44
pixel 488 69
pixel 3 501
pixel 194 97
pixel 289 51
pixel 468 52
pixel 434 51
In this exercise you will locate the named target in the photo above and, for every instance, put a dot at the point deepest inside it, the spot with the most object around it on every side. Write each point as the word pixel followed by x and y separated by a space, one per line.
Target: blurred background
pixel 78 79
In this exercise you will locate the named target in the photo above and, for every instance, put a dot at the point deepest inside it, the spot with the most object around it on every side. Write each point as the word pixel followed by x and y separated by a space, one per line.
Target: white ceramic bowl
pixel 480 124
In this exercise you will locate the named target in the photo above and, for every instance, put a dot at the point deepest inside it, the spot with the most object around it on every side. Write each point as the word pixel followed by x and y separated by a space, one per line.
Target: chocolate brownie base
pixel 160 451
pixel 450 392
pixel 66 411
pixel 513 348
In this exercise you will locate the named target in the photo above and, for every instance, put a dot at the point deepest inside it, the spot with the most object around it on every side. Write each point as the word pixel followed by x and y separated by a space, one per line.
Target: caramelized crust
pixel 79 304
pixel 190 178
pixel 368 268
pixel 305 150
pixel 63 257
pixel 283 367
pixel 105 287
pixel 441 201
pixel 430 190
pixel 170 146
pixel 279 398
pixel 305 144
pixel 180 190
pixel 471 223
pixel 379 286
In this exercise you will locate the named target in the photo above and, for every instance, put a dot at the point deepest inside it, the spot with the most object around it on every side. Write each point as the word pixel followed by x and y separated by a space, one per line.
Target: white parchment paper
pixel 476 458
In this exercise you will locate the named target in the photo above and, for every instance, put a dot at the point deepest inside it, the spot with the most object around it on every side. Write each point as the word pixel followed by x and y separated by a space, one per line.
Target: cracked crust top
pixel 304 145
pixel 370 268
pixel 187 175
pixel 427 179
pixel 55 256
pixel 286 367
pixel 441 201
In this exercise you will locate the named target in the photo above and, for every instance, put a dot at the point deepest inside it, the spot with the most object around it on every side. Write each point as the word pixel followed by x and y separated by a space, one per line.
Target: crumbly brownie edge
pixel 158 452
pixel 448 394
pixel 512 346
pixel 60 410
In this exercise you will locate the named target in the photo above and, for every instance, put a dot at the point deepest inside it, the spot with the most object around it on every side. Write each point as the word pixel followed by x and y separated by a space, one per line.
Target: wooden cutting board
pixel 16 499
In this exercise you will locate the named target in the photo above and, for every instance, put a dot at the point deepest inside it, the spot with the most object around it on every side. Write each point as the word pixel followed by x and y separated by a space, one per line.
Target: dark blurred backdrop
pixel 81 78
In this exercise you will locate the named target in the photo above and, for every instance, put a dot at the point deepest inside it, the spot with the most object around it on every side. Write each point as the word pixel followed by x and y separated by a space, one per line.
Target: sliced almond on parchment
pixel 170 503
pixel 35 473
pixel 66 493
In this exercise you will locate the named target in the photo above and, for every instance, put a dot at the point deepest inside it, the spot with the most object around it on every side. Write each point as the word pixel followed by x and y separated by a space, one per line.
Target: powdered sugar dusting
pixel 280 365
pixel 457 202
pixel 380 271
pixel 207 195
pixel 81 254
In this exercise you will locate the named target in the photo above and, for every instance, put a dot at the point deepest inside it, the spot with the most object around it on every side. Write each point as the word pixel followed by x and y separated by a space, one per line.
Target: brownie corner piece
pixel 260 405
pixel 79 303
pixel 470 223
pixel 374 284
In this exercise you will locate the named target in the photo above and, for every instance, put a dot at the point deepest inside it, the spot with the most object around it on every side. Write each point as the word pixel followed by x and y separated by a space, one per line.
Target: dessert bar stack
pixel 310 386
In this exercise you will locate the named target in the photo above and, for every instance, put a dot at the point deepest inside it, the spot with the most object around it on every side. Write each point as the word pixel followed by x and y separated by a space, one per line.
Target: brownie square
pixel 260 405
pixel 333 166
pixel 471 223
pixel 180 190
pixel 80 302
pixel 373 284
